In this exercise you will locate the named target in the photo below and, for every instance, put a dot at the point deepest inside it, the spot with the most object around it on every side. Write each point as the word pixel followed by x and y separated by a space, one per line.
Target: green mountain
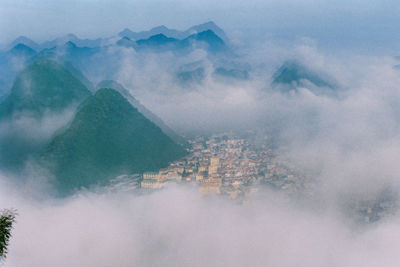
pixel 142 109
pixel 42 88
pixel 44 85
pixel 107 137
pixel 293 74
pixel 21 50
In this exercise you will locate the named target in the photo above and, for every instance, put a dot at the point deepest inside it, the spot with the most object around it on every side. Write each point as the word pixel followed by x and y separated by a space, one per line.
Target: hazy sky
pixel 366 24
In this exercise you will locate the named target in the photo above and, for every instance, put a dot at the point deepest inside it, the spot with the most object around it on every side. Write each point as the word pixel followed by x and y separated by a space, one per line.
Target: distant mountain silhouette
pixel 26 41
pixel 292 74
pixel 74 39
pixel 22 50
pixel 213 41
pixel 207 26
pixel 186 77
pixel 175 33
pixel 206 39
pixel 154 31
pixel 108 137
pixel 157 40
pixel 126 42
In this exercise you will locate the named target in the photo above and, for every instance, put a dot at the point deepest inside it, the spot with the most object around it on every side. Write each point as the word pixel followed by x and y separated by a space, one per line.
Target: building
pixel 151 184
pixel 214 165
pixel 211 185
pixel 150 175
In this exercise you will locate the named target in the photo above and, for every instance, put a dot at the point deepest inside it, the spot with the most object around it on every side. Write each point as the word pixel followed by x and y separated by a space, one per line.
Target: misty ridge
pixel 165 147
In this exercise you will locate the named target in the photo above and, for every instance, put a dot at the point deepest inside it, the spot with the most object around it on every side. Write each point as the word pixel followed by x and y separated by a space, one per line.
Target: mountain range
pixel 98 42
pixel 106 137
pixel 172 33
pixel 206 39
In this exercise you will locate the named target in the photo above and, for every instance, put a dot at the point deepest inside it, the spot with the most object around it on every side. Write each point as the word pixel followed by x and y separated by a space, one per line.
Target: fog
pixel 345 142
pixel 177 226
pixel 348 144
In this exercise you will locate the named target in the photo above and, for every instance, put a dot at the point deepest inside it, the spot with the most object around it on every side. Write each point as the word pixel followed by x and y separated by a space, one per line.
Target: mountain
pixel 206 39
pixel 142 109
pixel 44 85
pixel 108 137
pixel 11 62
pixel 292 74
pixel 68 51
pixel 74 39
pixel 126 42
pixel 42 90
pixel 187 77
pixel 26 41
pixel 22 50
pixel 81 57
pixel 154 31
pixel 207 26
pixel 213 41
pixel 158 42
pixel 174 33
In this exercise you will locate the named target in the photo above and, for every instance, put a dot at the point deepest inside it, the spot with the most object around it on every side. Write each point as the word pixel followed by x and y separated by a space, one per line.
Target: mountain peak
pixel 159 28
pixel 142 109
pixel 52 87
pixel 156 40
pixel 22 50
pixel 214 42
pixel 108 137
pixel 292 74
pixel 210 25
pixel 158 36
pixel 70 44
pixel 26 41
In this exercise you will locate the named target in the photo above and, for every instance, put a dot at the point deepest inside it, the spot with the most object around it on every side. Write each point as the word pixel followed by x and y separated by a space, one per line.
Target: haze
pixel 337 126
pixel 367 25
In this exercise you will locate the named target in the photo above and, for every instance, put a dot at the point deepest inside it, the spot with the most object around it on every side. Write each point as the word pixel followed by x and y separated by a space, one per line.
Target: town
pixel 228 165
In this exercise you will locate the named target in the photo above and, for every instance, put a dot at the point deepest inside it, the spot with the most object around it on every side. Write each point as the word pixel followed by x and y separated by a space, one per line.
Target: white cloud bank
pixel 178 227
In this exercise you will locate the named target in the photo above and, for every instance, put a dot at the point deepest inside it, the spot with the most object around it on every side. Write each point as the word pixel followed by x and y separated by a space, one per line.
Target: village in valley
pixel 224 164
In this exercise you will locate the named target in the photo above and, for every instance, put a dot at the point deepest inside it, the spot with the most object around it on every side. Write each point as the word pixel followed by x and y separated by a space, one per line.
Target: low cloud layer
pixel 179 227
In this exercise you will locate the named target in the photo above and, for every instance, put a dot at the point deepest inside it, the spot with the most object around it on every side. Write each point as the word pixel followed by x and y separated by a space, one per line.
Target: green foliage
pixel 107 137
pixel 7 218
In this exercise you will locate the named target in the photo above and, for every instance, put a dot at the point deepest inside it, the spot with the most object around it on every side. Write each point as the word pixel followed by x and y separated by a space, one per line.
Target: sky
pixel 368 25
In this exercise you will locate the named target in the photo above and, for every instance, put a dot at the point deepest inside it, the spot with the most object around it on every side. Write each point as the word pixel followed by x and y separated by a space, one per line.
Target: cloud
pixel 177 226
pixel 347 146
